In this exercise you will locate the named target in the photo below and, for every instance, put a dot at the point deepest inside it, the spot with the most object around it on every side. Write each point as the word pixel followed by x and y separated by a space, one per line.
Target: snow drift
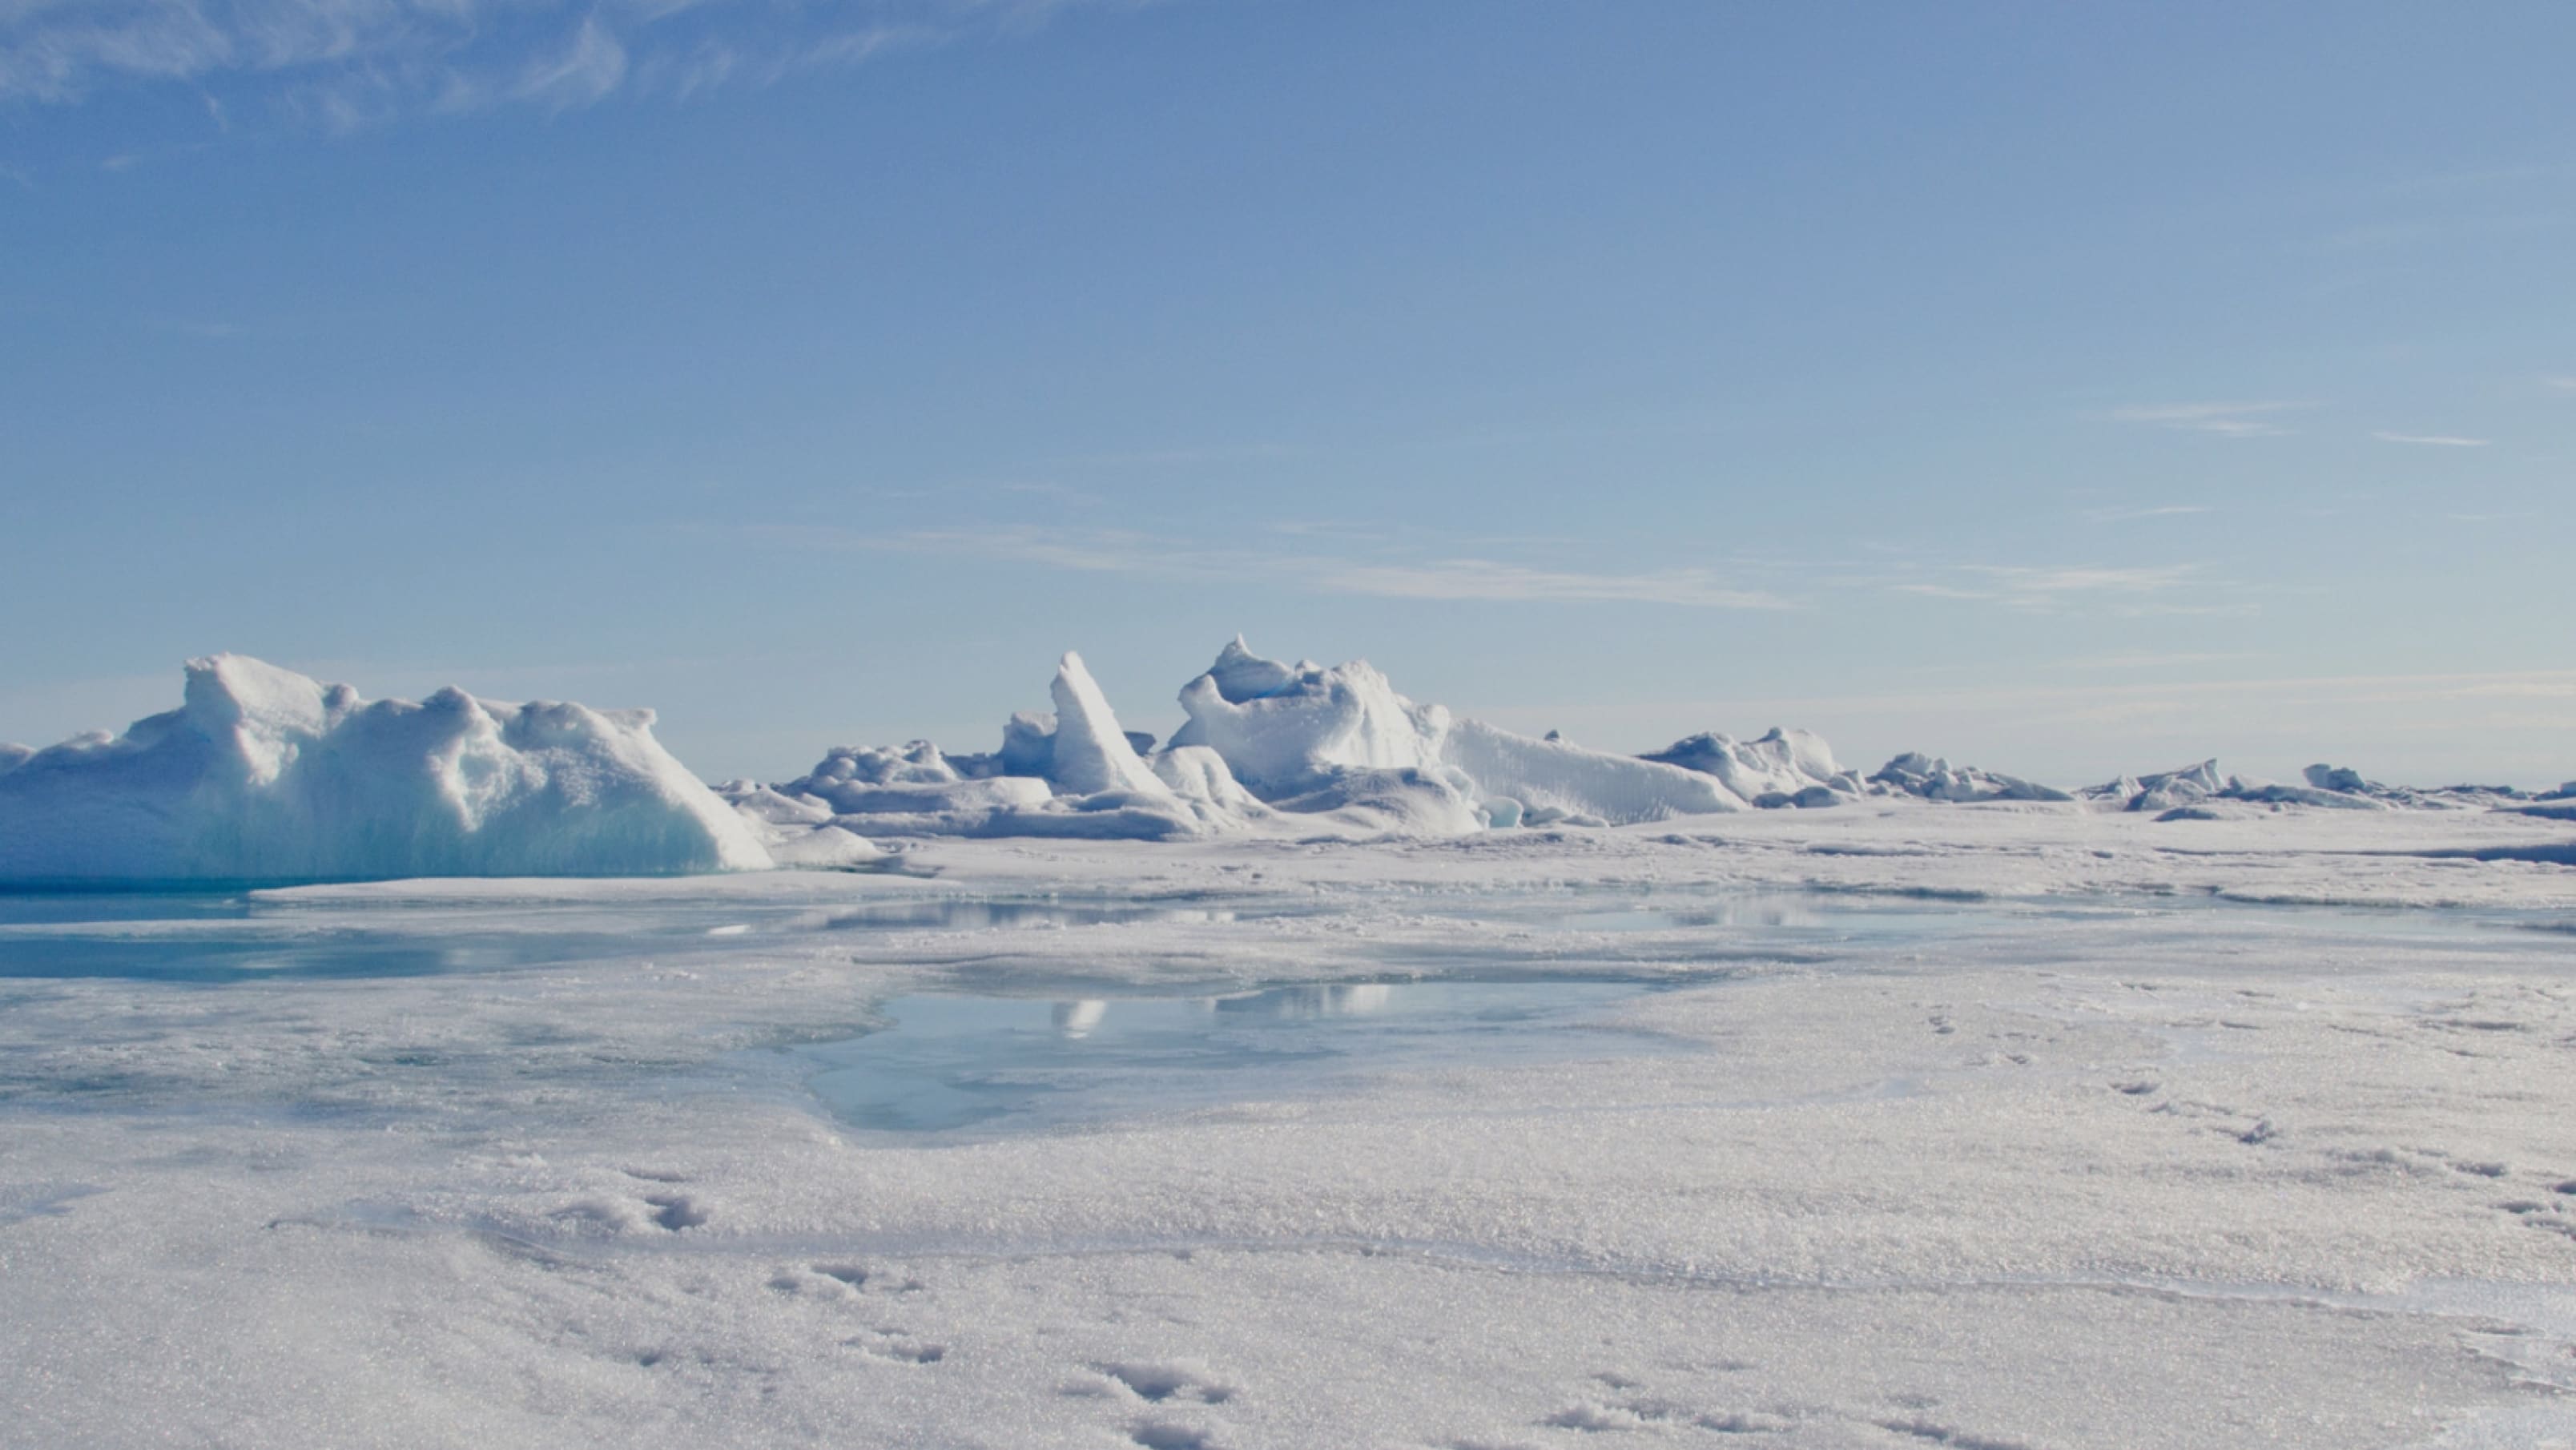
pixel 265 774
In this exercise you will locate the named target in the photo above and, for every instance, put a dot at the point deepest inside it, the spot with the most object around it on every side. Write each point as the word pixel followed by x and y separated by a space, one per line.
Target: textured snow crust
pixel 1977 1125
pixel 264 773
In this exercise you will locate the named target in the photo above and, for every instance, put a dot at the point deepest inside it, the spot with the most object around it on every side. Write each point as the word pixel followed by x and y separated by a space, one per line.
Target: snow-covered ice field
pixel 1894 1125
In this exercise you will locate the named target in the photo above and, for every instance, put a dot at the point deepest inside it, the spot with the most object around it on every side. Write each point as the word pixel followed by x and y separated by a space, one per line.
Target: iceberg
pixel 264 774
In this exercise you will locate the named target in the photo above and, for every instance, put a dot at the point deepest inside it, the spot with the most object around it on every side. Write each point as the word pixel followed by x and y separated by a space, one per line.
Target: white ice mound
pixel 1312 740
pixel 1285 729
pixel 1783 768
pixel 266 775
pixel 1935 779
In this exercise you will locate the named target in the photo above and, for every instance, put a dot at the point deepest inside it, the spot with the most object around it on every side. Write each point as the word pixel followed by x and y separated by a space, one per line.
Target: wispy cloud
pixel 2138 660
pixel 2231 420
pixel 2432 440
pixel 2560 384
pixel 1049 489
pixel 1484 579
pixel 2157 511
pixel 2128 592
pixel 2086 579
pixel 1115 551
pixel 344 63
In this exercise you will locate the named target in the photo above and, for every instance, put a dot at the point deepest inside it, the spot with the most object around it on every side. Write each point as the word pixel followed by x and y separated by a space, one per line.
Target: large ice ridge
pixel 263 774
pixel 1269 746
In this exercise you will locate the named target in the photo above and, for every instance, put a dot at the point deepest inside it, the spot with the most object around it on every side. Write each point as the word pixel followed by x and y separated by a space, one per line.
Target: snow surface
pixel 265 774
pixel 2000 1124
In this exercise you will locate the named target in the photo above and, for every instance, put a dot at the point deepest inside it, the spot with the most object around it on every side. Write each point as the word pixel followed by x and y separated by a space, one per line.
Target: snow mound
pixel 263 774
pixel 1783 768
pixel 1429 801
pixel 1933 778
pixel 1542 781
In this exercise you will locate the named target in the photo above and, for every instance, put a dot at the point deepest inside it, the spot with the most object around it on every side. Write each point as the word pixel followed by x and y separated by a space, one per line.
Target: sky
pixel 2065 389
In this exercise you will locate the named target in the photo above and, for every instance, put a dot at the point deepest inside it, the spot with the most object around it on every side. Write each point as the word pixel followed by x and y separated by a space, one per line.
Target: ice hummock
pixel 1934 778
pixel 1286 729
pixel 265 774
pixel 2192 790
pixel 1074 773
pixel 1783 768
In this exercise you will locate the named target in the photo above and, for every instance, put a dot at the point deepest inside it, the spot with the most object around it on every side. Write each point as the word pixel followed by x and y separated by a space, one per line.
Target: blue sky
pixel 2067 389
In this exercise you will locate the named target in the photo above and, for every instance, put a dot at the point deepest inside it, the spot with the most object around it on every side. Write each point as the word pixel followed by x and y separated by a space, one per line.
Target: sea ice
pixel 1888 1125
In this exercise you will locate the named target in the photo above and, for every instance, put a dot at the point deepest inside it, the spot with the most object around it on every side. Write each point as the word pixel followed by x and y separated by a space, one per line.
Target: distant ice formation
pixel 265 774
pixel 1268 745
pixel 2202 792
pixel 1303 749
pixel 1935 779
